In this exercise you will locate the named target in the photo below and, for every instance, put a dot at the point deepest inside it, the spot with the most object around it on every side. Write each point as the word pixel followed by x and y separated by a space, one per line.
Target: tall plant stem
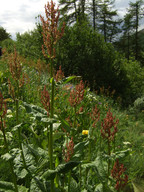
pixel 74 123
pixel 51 132
pixel 109 152
pixel 10 161
pixel 89 156
pixel 69 180
pixel 19 130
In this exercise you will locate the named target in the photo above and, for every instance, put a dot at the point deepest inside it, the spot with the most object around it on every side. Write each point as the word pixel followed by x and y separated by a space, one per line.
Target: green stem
pixel 69 181
pixel 89 157
pixel 109 152
pixel 80 173
pixel 74 123
pixel 10 161
pixel 51 134
pixel 19 130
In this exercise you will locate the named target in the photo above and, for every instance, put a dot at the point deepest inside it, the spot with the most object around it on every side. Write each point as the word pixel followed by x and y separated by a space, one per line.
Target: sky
pixel 20 15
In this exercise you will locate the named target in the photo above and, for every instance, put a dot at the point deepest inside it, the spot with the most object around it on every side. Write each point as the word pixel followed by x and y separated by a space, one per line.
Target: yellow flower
pixel 85 132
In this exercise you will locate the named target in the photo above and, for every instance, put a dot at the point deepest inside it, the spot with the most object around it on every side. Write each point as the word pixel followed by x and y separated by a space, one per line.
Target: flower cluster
pixel 15 68
pixel 77 94
pixel 118 174
pixel 50 33
pixel 85 132
pixel 3 109
pixel 60 75
pixel 107 125
pixel 95 115
pixel 68 152
pixel 45 99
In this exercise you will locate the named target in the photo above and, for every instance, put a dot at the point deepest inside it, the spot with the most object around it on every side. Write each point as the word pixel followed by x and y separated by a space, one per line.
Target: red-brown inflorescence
pixel 60 75
pixel 109 126
pixel 3 109
pixel 77 94
pixel 95 115
pixel 68 152
pixel 118 174
pixel 51 33
pixel 15 68
pixel 45 99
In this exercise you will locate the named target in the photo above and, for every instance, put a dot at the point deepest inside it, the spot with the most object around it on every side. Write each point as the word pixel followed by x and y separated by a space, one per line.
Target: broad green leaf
pixel 5 186
pixel 6 156
pixel 68 79
pixel 48 120
pixel 49 174
pixel 64 168
pixel 121 154
pixel 99 188
pixel 98 164
pixel 74 185
pixel 30 108
pixel 9 187
pixel 57 135
pixel 56 126
pixel 23 173
pixel 37 185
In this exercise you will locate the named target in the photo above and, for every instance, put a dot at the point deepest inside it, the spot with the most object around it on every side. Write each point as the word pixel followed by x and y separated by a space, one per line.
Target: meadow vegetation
pixel 74 120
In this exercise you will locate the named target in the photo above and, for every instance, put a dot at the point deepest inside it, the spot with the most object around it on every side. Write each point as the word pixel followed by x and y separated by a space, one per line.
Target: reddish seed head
pixel 77 94
pixel 95 115
pixel 118 174
pixel 109 126
pixel 69 150
pixel 60 75
pixel 51 33
pixel 45 99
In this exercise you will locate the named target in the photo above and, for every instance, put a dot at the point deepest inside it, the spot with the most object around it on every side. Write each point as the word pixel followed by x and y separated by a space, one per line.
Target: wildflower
pixel 50 33
pixel 95 115
pixel 15 67
pixel 45 99
pixel 85 132
pixel 77 94
pixel 107 125
pixel 126 143
pixel 118 174
pixel 59 75
pixel 68 152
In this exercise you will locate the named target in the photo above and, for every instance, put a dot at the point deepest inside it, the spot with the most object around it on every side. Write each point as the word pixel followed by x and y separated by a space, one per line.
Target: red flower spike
pixel 60 75
pixel 50 33
pixel 95 115
pixel 77 94
pixel 107 125
pixel 68 152
pixel 118 174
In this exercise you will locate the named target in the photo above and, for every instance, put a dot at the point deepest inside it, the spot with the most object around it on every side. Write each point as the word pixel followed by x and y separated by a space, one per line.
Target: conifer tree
pixel 127 32
pixel 108 25
pixel 73 10
pixel 135 10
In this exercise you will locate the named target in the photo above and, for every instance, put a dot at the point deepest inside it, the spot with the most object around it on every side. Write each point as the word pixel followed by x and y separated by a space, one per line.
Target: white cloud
pixel 19 15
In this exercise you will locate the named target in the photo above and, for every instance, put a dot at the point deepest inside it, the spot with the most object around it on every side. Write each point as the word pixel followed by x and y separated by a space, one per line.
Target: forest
pixel 72 100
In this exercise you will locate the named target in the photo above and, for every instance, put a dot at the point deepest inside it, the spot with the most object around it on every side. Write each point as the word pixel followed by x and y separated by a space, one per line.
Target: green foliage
pixel 29 44
pixel 3 34
pixel 84 52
